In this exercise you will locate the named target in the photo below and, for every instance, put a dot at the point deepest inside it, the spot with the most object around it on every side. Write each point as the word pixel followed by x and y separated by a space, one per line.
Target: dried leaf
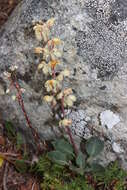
pixel 1 161
pixel 2 140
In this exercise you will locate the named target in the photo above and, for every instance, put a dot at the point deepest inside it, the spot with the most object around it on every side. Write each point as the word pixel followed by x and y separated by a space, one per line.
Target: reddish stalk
pixel 72 140
pixel 21 104
pixel 63 112
pixel 53 73
pixel 68 129
pixel 62 106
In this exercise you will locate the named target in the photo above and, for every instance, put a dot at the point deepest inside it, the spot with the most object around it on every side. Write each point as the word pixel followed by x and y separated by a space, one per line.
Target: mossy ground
pixel 28 170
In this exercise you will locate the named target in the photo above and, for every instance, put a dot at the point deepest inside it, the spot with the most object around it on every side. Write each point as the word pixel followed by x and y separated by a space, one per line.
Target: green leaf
pixel 94 146
pixel 97 168
pixel 19 140
pixel 77 170
pixel 63 146
pixel 21 166
pixel 11 132
pixel 58 157
pixel 80 160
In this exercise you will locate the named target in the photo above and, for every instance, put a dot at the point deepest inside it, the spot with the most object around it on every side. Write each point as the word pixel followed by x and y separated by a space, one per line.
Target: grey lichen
pixel 80 123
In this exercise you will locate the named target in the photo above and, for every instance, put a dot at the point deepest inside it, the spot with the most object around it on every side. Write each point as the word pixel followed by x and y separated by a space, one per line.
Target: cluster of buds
pixel 50 56
pixel 11 70
pixel 11 76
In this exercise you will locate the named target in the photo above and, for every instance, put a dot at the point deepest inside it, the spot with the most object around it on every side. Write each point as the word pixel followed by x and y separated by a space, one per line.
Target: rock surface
pixel 95 50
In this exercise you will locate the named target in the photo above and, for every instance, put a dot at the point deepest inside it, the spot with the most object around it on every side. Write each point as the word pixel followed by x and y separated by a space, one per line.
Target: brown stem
pixel 10 158
pixel 8 154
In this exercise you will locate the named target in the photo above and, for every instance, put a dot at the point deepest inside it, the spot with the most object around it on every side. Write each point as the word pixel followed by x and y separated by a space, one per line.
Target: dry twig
pixel 5 176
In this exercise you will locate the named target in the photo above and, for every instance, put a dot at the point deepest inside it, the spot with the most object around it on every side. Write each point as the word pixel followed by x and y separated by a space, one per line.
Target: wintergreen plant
pixel 57 96
pixel 59 99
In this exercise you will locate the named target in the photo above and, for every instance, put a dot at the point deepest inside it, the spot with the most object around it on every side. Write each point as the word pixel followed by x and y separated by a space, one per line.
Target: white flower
pixel 66 73
pixel 45 68
pixel 7 91
pixel 65 122
pixel 50 22
pixel 13 67
pixel 46 54
pixel 56 53
pixel 67 96
pixel 41 65
pixel 63 74
pixel 38 31
pixel 22 90
pixel 67 91
pixel 48 98
pixel 53 63
pixel 52 85
pixel 7 74
pixel 60 77
pixel 54 42
pixel 38 50
pixel 72 98
pixel 69 100
pixel 59 96
pixel 13 97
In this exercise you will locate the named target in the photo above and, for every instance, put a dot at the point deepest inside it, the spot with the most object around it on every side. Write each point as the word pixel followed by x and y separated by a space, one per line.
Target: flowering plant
pixel 57 96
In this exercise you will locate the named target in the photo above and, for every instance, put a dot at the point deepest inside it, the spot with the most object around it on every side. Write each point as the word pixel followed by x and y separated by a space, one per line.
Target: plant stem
pixel 68 129
pixel 21 104
pixel 72 140
pixel 62 106
pixel 53 73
